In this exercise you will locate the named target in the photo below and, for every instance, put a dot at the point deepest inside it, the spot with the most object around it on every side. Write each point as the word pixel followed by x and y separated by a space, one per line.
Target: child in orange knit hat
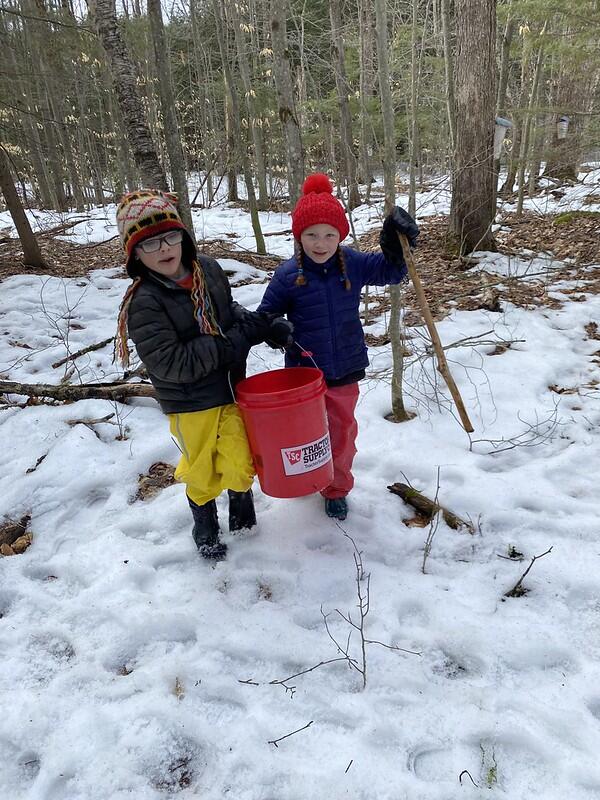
pixel 193 339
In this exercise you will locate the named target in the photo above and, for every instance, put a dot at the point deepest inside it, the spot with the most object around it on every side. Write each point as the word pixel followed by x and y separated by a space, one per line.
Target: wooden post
pixel 442 364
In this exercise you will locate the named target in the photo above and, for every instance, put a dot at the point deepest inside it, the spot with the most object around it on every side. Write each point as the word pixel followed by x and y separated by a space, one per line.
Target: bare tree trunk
pixel 282 73
pixel 253 127
pixel 124 73
pixel 32 136
pixel 507 38
pixel 473 192
pixel 449 68
pixel 169 113
pixel 399 412
pixel 343 90
pixel 414 130
pixel 366 37
pixel 235 119
pixel 31 251
pixel 573 97
pixel 230 127
pixel 524 153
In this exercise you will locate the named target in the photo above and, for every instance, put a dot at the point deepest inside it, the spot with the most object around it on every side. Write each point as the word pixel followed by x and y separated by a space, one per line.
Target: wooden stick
pixel 442 364
pixel 428 508
pixel 88 349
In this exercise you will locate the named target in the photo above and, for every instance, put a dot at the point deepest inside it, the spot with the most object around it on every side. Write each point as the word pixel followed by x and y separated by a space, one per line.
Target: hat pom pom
pixel 319 182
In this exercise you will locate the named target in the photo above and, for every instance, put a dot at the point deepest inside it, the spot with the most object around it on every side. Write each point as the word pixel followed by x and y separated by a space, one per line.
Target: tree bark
pixel 473 192
pixel 31 251
pixel 449 70
pixel 84 391
pixel 253 126
pixel 399 412
pixel 235 119
pixel 524 152
pixel 125 74
pixel 573 96
pixel 366 39
pixel 343 91
pixel 169 113
pixel 288 116
pixel 427 507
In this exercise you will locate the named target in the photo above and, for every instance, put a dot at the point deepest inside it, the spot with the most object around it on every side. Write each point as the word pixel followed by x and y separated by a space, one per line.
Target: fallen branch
pixel 518 590
pixel 281 738
pixel 61 228
pixel 83 351
pixel 429 507
pixel 85 391
pixel 73 422
pixel 278 233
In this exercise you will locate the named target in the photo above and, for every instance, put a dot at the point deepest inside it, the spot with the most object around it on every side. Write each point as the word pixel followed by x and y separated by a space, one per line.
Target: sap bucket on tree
pixel 286 422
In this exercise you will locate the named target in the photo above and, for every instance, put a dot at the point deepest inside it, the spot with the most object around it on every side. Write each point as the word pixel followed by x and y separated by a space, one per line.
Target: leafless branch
pixel 287 735
pixel 518 590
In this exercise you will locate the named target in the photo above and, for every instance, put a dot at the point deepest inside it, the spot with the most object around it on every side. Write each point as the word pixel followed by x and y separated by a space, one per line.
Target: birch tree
pixel 124 73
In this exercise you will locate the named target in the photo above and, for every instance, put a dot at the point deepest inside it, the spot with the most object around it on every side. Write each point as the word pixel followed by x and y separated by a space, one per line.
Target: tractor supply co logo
pixel 298 460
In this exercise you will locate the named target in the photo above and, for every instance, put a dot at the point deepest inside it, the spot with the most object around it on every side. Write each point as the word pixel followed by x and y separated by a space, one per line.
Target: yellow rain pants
pixel 214 452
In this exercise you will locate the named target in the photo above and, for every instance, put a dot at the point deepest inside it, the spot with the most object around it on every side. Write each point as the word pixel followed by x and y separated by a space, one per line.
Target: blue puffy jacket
pixel 324 313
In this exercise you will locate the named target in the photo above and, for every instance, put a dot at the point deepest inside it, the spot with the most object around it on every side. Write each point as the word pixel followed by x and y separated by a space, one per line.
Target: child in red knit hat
pixel 319 290
pixel 193 339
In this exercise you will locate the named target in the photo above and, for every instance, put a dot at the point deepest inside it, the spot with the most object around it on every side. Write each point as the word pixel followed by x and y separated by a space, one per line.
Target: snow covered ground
pixel 131 669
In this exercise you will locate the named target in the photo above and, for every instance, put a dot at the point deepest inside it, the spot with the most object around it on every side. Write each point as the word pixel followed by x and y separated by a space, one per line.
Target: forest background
pixel 96 100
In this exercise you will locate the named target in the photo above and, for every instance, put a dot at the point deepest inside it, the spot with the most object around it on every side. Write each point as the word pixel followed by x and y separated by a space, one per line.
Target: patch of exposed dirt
pixel 448 280
pixel 63 259
pixel 449 283
pixel 69 260
pixel 14 536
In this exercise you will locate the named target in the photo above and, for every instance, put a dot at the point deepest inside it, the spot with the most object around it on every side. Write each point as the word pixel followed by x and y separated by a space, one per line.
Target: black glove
pixel 255 326
pixel 280 333
pixel 399 221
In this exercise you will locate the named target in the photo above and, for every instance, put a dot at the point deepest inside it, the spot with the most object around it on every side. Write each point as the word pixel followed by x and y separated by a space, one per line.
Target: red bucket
pixel 286 422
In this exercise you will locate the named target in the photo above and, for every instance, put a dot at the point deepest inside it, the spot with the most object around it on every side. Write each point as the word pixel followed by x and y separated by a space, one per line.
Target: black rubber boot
pixel 241 510
pixel 206 531
pixel 338 508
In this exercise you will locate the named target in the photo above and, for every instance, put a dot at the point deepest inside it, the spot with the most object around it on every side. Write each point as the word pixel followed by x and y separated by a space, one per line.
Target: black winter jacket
pixel 191 371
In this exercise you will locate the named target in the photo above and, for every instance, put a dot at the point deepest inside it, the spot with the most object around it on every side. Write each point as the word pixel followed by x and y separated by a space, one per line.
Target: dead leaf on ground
pixel 160 476
pixel 11 529
pixel 592 330
pixel 562 389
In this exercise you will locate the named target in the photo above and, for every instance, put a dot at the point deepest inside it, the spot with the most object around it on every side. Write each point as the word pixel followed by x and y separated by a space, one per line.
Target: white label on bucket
pixel 306 457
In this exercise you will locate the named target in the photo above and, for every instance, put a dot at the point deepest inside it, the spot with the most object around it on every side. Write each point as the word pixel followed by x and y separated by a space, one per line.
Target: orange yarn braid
pixel 203 312
pixel 121 346
pixel 203 308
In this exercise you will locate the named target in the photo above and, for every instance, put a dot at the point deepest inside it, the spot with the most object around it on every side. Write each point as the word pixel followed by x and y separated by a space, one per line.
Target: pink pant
pixel 340 402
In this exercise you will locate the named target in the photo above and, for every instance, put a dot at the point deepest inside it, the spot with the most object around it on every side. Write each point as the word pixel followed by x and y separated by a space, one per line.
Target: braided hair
pixel 301 279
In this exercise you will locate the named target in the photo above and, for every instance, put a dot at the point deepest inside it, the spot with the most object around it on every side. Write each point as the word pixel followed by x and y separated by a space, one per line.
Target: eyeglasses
pixel 153 245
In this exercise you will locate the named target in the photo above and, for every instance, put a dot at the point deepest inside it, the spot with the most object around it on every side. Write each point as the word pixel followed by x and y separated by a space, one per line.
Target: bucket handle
pixel 306 353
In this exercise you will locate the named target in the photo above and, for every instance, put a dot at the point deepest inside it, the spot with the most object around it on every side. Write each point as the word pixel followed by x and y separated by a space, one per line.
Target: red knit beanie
pixel 318 206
